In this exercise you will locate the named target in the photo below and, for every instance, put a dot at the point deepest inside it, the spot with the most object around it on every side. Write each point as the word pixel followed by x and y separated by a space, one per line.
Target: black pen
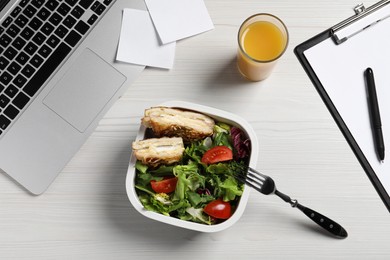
pixel 374 114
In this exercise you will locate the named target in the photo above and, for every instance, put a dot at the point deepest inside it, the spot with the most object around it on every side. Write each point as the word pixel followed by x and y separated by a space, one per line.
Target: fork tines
pixel 258 181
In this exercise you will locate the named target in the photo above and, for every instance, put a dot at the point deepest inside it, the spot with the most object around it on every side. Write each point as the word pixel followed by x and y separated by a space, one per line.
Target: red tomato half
pixel 218 209
pixel 217 154
pixel 165 186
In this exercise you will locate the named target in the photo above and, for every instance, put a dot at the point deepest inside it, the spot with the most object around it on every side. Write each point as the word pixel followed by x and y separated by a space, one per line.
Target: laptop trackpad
pixel 84 90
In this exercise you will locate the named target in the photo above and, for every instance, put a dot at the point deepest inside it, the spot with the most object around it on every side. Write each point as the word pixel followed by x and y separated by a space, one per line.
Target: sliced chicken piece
pixel 189 125
pixel 158 151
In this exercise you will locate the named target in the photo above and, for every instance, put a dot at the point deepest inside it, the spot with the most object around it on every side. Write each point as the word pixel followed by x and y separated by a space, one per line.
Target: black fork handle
pixel 323 221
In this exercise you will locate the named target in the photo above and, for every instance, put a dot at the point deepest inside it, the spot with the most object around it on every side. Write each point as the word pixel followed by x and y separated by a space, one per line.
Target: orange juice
pixel 262 40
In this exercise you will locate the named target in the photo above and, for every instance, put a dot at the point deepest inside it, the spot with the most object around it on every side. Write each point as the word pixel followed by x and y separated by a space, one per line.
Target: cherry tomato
pixel 218 209
pixel 165 186
pixel 217 154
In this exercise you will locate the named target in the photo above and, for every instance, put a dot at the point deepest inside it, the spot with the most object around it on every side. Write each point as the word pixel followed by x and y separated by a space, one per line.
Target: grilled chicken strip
pixel 158 151
pixel 191 126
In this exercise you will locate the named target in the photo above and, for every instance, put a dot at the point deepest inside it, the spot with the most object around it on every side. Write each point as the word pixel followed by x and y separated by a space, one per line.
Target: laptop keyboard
pixel 35 38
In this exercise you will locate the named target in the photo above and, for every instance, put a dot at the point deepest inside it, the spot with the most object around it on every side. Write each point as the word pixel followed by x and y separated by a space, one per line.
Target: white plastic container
pixel 220 116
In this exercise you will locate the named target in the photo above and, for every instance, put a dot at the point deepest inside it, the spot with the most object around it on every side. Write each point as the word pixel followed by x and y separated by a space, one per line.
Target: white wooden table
pixel 85 214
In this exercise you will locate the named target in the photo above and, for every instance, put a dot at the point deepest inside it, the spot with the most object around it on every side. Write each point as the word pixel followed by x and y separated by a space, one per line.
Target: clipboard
pixel 335 61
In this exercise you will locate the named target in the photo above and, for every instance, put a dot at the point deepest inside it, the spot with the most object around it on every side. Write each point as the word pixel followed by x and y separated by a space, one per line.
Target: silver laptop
pixel 58 77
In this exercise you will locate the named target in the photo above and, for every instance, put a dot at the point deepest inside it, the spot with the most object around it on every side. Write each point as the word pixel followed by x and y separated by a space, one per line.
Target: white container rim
pixel 218 115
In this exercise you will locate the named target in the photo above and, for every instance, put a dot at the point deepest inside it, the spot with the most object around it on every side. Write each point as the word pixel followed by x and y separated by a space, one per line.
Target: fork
pixel 266 185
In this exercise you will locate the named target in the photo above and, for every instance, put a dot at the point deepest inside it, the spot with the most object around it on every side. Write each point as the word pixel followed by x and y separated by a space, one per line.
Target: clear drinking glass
pixel 262 40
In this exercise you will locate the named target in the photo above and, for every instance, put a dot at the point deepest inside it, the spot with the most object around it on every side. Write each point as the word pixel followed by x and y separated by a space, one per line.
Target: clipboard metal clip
pixel 360 12
pixel 359 8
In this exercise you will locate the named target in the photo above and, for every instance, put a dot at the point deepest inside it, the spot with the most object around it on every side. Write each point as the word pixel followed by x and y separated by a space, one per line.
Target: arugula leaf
pixel 219 168
pixel 142 168
pixel 163 170
pixel 199 200
pixel 195 151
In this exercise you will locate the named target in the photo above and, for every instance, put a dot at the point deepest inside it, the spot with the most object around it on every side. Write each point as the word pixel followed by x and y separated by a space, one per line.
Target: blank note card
pixel 139 43
pixel 178 19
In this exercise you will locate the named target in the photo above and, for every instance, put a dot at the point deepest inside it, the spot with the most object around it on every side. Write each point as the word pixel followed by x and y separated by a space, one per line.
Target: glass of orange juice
pixel 262 40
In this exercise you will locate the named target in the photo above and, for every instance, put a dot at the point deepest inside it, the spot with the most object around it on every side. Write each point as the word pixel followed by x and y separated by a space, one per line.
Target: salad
pixel 201 187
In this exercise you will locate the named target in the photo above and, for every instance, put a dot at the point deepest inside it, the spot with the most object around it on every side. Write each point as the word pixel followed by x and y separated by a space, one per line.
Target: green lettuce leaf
pixel 188 179
pixel 230 189
pixel 197 215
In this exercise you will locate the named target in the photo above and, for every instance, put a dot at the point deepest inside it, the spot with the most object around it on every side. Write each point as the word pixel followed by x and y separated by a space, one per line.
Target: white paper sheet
pixel 139 42
pixel 178 19
pixel 340 69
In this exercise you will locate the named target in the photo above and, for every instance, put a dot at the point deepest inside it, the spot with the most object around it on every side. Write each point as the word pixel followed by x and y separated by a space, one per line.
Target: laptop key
pixel 19 81
pixel 16 11
pixel 28 70
pixel 3 63
pixel 11 111
pixel 23 3
pixel 11 91
pixel 27 33
pixel 47 28
pixel 4 122
pixel 63 9
pixel 5 78
pixel 77 12
pixel 55 19
pixel 92 19
pixel 48 67
pixel 5 40
pixel 22 58
pixel 20 100
pixel 71 2
pixel 61 31
pixel 4 100
pixel 44 13
pixel 10 52
pixel 39 38
pixel 85 3
pixel 31 48
pixel 14 68
pixel 37 3
pixel 44 51
pixel 18 43
pixel 53 41
pixel 36 61
pixel 29 11
pixel 69 21
pixel 35 23
pixel 13 31
pixel 99 9
pixel 81 27
pixel 72 38
pixel 95 5
pixel 7 22
pixel 21 21
pixel 52 4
